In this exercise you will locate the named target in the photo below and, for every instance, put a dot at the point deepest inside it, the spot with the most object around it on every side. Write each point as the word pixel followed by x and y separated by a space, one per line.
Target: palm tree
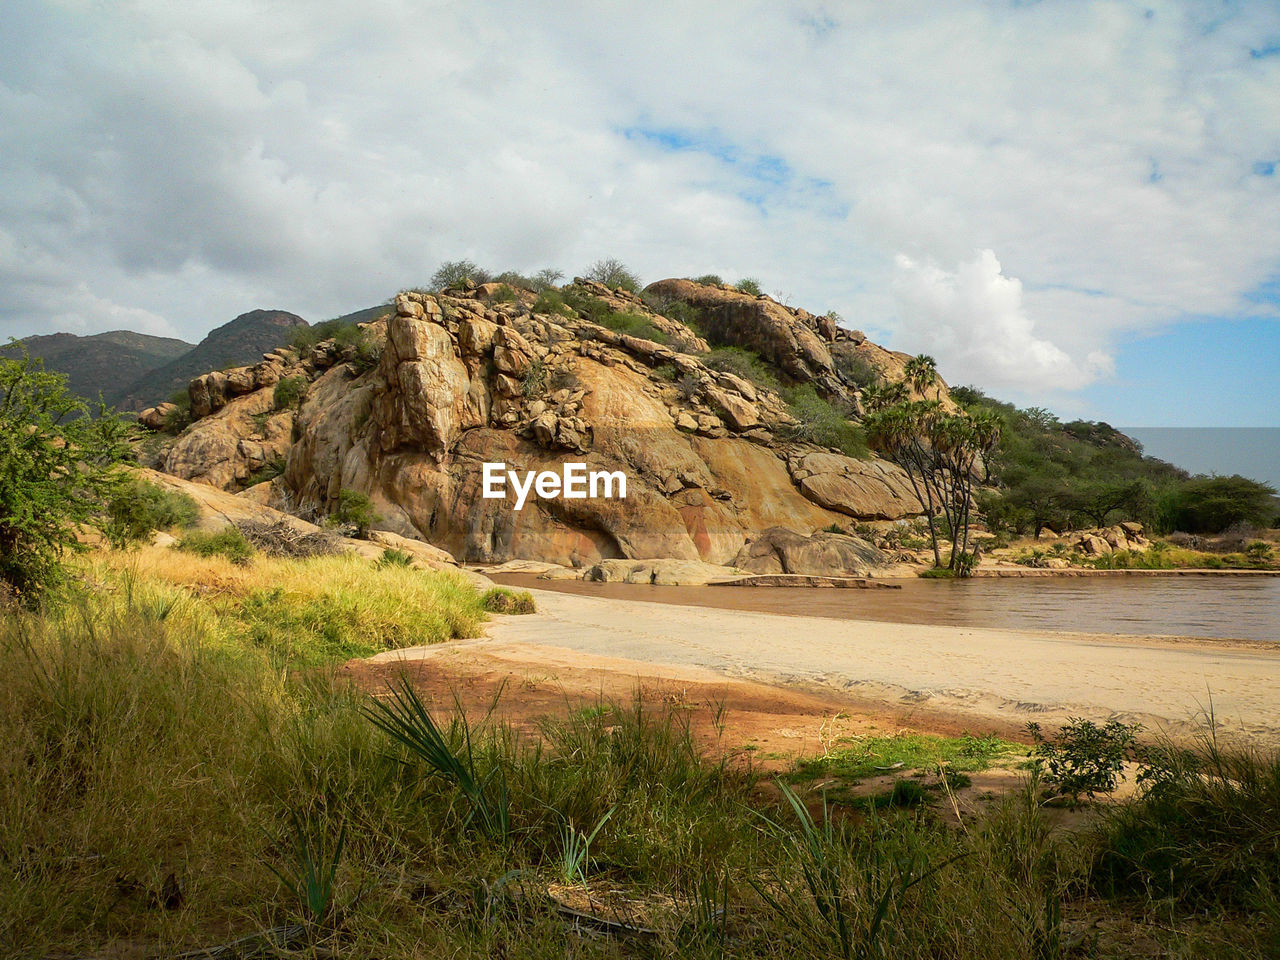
pixel 922 372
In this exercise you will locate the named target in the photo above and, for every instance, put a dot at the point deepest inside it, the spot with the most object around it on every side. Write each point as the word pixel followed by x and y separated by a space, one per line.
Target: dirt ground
pixel 766 727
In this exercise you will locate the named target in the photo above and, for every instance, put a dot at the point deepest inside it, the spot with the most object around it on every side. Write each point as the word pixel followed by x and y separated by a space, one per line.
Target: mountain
pixel 237 343
pixel 105 363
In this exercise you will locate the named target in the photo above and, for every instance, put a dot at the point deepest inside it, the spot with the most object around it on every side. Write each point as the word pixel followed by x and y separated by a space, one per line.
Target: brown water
pixel 1227 607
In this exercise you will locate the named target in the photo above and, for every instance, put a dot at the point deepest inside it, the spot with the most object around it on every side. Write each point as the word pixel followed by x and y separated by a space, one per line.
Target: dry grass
pixel 160 770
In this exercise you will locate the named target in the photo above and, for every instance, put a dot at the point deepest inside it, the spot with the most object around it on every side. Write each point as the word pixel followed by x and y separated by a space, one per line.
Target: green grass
pixel 818 422
pixel 227 542
pixel 875 756
pixel 741 363
pixel 504 600
pixel 147 746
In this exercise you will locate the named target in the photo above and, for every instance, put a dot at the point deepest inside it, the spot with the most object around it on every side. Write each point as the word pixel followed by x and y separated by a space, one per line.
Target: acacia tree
pixel 943 455
pixel 56 470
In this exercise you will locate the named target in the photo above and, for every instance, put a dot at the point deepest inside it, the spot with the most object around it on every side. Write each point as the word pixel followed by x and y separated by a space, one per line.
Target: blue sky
pixel 1071 203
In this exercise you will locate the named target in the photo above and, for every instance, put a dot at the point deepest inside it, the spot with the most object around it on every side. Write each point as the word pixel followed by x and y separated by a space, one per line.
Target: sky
pixel 1069 204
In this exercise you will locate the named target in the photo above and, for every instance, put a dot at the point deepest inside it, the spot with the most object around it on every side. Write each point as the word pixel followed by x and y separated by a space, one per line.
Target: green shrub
pixel 504 294
pixel 681 311
pixel 1084 758
pixel 586 305
pixel 818 422
pixel 356 509
pixel 266 473
pixel 665 371
pixel 391 557
pixel 613 274
pixel 709 279
pixel 367 350
pixel 289 392
pixel 551 302
pixel 857 371
pixel 748 285
pixel 227 542
pixel 502 600
pixel 634 325
pixel 455 273
pixel 1202 834
pixel 138 508
pixel 534 381
pixel 56 467
pixel 741 363
pixel 175 421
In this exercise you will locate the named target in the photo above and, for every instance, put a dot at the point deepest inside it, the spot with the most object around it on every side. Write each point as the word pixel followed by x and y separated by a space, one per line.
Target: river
pixel 1225 607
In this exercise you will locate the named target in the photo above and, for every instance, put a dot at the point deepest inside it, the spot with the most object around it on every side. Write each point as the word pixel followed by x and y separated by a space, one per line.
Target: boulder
pixel 867 489
pixel 779 550
pixel 157 417
pixel 663 572
pixel 1093 545
pixel 738 413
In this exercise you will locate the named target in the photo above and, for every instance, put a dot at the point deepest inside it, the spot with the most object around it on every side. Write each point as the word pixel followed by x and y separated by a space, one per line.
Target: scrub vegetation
pixel 183 767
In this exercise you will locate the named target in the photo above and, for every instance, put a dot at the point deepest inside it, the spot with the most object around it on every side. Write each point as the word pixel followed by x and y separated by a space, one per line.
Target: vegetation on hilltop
pixel 1084 474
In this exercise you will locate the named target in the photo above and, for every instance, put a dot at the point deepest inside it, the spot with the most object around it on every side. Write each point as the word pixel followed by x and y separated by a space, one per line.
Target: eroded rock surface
pixel 464 378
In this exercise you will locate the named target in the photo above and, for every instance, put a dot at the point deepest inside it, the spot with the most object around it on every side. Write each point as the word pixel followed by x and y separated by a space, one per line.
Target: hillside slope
pixel 105 363
pixel 236 343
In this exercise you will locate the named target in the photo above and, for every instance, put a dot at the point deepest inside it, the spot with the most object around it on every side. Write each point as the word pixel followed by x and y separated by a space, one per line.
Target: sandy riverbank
pixel 927 675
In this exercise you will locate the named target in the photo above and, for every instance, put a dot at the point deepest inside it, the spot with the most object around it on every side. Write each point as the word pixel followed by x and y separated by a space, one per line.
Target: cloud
pixel 973 321
pixel 197 160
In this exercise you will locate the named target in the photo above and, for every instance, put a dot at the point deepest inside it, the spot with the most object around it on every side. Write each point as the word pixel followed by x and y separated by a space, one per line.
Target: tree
pixel 1211 504
pixel 882 394
pixel 921 372
pixel 358 510
pixel 613 273
pixel 943 455
pixel 56 469
pixel 1099 499
pixel 455 273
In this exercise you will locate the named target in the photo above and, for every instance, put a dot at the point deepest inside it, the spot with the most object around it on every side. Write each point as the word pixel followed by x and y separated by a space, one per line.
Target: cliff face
pixel 463 379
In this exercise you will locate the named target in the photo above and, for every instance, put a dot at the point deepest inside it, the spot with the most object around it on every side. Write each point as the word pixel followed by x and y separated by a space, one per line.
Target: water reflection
pixel 1244 607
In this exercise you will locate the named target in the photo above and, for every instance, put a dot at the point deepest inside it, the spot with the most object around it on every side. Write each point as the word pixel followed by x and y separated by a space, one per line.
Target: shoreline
pixel 925 674
pixel 1016 572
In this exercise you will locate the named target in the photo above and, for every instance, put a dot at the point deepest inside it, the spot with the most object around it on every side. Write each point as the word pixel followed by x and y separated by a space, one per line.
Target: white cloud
pixel 973 321
pixel 197 160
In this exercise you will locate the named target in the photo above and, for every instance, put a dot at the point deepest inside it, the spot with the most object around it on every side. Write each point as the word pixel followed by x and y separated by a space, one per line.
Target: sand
pixel 924 675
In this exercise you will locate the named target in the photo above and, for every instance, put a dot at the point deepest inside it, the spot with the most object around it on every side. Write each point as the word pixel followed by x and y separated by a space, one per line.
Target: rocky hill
pixel 105 363
pixel 235 343
pixel 733 417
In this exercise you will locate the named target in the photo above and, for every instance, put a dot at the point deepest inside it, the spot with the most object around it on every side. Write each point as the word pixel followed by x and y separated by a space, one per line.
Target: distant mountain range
pixel 132 371
pixel 106 363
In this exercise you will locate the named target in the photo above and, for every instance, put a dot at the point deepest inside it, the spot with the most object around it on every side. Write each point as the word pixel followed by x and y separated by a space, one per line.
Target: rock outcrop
pixel 468 377
pixel 1122 536
pixel 779 550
